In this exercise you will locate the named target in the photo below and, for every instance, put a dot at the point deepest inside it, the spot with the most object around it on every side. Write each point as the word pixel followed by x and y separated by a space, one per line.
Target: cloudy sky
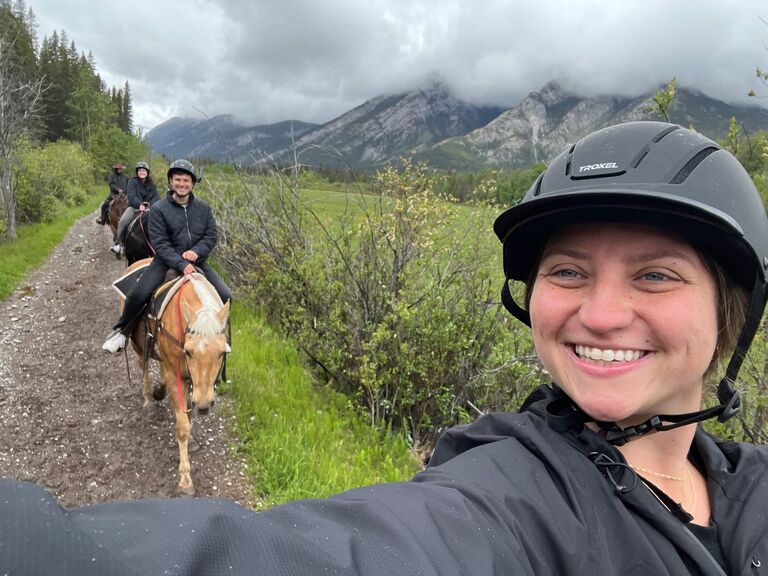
pixel 264 61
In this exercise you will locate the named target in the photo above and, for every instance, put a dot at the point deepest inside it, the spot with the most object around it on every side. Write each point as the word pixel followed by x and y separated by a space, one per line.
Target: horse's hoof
pixel 158 393
pixel 186 492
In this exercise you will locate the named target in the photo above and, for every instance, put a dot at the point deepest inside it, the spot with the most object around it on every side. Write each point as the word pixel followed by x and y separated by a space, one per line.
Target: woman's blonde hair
pixel 731 303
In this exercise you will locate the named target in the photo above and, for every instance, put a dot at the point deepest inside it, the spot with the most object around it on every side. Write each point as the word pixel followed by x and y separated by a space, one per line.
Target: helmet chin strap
pixel 729 397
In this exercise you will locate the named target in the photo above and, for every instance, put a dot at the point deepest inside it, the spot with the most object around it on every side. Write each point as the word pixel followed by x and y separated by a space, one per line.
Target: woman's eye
pixel 566 273
pixel 655 276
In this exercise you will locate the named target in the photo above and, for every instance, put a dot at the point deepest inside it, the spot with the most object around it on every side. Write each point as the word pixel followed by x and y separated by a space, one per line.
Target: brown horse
pixel 116 209
pixel 190 344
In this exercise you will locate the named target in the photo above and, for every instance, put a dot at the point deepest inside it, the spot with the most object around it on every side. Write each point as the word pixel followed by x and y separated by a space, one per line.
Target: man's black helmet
pixel 182 166
pixel 142 165
pixel 652 173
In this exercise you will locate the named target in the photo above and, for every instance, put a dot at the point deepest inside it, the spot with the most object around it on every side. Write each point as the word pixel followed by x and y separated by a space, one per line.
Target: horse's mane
pixel 206 323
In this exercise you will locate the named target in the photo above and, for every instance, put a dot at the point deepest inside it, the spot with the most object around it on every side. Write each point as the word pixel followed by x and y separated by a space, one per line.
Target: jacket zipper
pixel 756 564
pixel 189 234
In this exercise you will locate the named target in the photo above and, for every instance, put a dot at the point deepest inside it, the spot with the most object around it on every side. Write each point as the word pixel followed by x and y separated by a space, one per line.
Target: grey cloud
pixel 265 61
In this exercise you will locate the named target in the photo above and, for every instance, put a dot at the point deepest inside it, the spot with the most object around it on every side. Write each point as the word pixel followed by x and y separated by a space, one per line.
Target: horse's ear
pixel 223 313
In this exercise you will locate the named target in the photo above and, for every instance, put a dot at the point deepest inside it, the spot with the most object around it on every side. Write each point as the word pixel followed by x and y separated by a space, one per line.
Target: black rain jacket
pixel 140 192
pixel 511 494
pixel 175 228
pixel 118 183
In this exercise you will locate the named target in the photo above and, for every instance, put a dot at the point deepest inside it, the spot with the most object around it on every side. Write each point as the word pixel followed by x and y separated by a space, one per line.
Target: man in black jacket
pixel 183 232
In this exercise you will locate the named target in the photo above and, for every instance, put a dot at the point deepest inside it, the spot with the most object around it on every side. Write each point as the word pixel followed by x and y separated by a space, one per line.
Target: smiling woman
pixel 614 305
pixel 633 272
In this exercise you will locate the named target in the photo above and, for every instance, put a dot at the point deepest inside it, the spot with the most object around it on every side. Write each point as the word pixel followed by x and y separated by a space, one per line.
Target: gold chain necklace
pixel 692 510
pixel 659 474
pixel 688 475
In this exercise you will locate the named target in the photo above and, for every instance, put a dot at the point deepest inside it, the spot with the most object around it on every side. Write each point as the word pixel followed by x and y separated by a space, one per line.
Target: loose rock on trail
pixel 71 420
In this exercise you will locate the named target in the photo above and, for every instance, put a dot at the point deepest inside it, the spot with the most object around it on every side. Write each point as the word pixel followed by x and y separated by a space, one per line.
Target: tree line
pixel 52 94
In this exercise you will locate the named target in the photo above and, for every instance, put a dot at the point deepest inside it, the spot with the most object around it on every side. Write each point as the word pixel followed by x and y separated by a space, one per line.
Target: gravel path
pixel 71 420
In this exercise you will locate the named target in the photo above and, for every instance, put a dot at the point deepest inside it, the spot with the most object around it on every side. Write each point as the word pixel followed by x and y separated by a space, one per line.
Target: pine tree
pixel 126 116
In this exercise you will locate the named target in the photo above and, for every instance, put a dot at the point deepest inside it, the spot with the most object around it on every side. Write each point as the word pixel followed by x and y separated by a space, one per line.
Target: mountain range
pixel 433 125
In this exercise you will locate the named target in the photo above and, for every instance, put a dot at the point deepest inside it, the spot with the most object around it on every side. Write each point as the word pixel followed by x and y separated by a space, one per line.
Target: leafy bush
pixel 394 296
pixel 50 178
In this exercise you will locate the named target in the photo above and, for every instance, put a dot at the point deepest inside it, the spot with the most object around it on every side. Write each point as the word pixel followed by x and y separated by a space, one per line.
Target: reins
pixel 178 342
pixel 146 236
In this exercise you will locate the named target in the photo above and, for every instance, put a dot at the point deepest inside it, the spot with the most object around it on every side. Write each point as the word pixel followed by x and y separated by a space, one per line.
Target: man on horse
pixel 142 193
pixel 183 232
pixel 118 183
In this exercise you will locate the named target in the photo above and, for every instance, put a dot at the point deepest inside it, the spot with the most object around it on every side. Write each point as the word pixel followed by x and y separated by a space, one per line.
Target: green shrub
pixel 393 294
pixel 49 179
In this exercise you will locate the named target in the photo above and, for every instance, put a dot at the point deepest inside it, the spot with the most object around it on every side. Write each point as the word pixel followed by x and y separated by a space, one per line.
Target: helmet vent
pixel 639 158
pixel 664 132
pixel 691 165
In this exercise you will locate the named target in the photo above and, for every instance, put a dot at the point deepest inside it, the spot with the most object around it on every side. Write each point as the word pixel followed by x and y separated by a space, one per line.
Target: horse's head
pixel 205 345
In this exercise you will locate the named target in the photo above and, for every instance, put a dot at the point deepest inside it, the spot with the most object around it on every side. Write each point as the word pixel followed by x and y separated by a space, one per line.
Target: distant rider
pixel 183 232
pixel 118 183
pixel 142 193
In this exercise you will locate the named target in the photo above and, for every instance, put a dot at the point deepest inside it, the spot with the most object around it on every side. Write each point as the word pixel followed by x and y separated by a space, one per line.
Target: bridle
pixel 179 343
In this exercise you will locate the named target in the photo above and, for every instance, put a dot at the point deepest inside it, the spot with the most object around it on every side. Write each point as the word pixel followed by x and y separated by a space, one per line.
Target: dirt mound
pixel 71 420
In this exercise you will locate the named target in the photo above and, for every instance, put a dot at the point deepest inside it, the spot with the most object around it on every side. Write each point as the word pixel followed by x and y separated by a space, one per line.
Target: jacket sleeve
pixel 162 242
pixel 114 185
pixel 134 198
pixel 210 235
pixel 153 195
pixel 405 528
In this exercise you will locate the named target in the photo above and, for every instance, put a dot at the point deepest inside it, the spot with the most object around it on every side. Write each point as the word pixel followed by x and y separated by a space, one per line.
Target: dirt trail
pixel 71 421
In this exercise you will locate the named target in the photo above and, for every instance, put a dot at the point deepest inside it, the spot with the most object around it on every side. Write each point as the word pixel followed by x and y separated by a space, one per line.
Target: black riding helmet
pixel 654 173
pixel 182 166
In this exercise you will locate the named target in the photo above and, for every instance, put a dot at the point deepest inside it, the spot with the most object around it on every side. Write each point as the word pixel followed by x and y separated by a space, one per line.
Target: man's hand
pixel 189 269
pixel 143 206
pixel 190 255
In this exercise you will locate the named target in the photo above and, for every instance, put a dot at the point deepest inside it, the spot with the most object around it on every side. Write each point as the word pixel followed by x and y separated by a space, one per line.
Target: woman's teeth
pixel 608 355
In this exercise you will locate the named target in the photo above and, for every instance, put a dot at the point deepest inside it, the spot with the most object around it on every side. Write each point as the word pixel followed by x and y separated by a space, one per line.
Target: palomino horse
pixel 116 209
pixel 136 241
pixel 190 343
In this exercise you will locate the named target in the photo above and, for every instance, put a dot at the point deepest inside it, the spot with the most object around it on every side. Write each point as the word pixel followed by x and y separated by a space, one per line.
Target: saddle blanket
pixel 124 284
pixel 162 295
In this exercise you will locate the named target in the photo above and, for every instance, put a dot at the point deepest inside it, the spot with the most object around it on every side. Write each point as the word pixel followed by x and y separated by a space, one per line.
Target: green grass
pixel 301 441
pixel 35 243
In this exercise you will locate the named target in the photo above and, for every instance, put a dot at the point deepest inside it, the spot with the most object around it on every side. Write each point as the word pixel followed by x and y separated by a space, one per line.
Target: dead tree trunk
pixel 19 105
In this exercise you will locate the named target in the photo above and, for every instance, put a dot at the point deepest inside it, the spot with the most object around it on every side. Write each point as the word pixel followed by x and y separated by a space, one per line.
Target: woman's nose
pixel 607 306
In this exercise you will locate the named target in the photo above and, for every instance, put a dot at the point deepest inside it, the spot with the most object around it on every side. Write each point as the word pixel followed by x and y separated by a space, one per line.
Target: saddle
pixel 160 296
pixel 157 303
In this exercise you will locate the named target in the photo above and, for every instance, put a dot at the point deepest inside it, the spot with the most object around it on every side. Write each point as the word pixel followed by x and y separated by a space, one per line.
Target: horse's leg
pixel 183 429
pixel 145 388
pixel 139 342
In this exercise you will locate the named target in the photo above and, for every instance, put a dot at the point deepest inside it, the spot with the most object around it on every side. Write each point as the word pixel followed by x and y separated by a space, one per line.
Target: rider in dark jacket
pixel 183 232
pixel 118 183
pixel 142 193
